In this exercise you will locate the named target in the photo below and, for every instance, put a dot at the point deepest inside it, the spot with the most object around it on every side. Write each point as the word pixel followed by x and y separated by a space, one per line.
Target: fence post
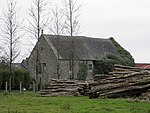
pixel 33 86
pixel 6 87
pixel 20 87
pixel 40 84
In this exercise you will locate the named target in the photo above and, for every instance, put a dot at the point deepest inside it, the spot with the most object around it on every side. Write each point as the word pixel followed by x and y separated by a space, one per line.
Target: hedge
pixel 18 75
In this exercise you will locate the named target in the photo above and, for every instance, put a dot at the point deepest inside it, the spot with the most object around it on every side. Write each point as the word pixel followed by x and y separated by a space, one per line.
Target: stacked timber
pixel 99 77
pixel 145 96
pixel 59 87
pixel 123 82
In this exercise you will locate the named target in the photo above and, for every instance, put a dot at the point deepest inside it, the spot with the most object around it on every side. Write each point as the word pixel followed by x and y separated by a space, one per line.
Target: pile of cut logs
pixel 123 82
pixel 145 96
pixel 59 87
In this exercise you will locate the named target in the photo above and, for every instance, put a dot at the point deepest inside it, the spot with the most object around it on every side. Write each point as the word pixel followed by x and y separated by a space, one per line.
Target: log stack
pixel 59 87
pixel 123 82
pixel 145 96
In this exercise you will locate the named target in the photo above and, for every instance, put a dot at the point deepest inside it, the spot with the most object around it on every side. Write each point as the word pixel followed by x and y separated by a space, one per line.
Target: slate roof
pixel 85 48
pixel 16 65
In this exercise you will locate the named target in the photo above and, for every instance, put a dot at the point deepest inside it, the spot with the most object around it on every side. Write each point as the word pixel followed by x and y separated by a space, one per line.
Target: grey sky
pixel 125 20
pixel 128 21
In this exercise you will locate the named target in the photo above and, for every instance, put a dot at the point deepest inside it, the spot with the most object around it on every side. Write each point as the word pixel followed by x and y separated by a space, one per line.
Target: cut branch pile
pixel 123 82
pixel 64 87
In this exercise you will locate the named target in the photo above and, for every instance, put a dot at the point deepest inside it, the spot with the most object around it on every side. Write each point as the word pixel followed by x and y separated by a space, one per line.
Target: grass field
pixel 31 103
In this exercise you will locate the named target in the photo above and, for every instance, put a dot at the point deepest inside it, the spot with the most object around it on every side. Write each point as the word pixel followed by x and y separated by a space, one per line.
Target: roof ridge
pixel 77 36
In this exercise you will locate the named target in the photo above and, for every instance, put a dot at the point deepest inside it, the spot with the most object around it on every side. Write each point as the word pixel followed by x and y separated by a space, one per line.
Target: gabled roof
pixel 85 48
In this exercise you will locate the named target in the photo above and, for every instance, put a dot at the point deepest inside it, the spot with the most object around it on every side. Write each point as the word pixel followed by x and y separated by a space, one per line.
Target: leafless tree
pixel 71 11
pixel 58 21
pixel 38 18
pixel 72 26
pixel 3 54
pixel 37 22
pixel 11 34
pixel 57 28
pixel 0 51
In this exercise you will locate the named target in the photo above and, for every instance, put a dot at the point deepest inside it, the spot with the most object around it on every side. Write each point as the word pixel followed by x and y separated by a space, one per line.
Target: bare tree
pixel 4 54
pixel 72 14
pixel 37 22
pixel 57 29
pixel 38 19
pixel 1 51
pixel 58 21
pixel 72 26
pixel 11 35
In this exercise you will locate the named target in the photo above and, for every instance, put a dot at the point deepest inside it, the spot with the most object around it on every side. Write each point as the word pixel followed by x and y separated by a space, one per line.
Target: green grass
pixel 31 103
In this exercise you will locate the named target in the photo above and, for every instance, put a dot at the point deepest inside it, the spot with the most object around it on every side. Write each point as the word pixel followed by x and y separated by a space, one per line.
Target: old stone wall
pixel 65 69
pixel 48 62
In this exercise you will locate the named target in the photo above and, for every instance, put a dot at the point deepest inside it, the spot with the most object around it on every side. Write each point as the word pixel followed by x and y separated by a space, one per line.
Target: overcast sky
pixel 128 21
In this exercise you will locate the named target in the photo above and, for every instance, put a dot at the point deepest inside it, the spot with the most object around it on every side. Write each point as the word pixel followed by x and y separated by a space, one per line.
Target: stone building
pixel 53 50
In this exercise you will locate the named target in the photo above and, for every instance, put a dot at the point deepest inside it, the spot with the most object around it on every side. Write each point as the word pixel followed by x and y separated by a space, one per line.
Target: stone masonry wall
pixel 48 62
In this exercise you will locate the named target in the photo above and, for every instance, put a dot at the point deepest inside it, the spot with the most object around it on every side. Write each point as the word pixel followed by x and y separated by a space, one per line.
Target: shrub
pixel 106 63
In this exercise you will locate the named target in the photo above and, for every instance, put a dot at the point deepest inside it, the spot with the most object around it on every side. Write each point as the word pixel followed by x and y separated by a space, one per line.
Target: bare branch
pixel 38 18
pixel 71 11
pixel 58 21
